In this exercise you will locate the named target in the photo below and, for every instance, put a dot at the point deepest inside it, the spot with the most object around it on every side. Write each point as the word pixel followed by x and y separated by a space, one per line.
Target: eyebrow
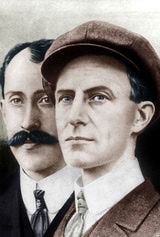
pixel 38 92
pixel 88 91
pixel 99 88
pixel 65 90
pixel 14 93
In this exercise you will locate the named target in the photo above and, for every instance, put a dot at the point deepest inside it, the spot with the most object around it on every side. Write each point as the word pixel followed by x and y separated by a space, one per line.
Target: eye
pixel 45 100
pixel 98 98
pixel 67 99
pixel 16 101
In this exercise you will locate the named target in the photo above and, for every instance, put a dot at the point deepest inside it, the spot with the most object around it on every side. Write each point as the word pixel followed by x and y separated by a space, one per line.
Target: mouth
pixel 77 138
pixel 30 145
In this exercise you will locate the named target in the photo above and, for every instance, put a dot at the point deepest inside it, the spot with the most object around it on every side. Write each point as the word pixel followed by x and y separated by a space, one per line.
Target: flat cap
pixel 129 47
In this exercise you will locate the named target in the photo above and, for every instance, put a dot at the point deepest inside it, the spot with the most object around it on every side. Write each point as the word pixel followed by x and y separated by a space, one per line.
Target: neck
pixel 91 174
pixel 41 174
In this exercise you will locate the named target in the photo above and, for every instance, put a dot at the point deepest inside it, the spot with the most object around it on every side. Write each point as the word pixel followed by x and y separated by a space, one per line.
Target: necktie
pixel 39 219
pixel 75 225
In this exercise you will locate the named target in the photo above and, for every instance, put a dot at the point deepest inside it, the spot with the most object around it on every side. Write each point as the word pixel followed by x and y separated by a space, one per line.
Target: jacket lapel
pixel 128 214
pixel 137 205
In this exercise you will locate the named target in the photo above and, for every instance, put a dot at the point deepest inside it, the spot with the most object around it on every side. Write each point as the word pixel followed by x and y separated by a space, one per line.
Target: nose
pixel 78 113
pixel 31 119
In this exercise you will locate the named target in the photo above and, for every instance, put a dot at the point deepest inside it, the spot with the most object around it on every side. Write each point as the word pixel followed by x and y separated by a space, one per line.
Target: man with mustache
pixel 32 201
pixel 106 81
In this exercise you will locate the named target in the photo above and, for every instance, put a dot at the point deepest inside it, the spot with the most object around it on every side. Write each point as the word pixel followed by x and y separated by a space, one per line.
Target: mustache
pixel 35 136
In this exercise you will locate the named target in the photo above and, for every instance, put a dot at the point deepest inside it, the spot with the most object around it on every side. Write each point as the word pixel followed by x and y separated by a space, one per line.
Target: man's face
pixel 94 114
pixel 26 107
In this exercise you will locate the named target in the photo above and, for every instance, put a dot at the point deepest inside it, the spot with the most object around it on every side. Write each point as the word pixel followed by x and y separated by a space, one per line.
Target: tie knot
pixel 82 205
pixel 38 193
pixel 39 196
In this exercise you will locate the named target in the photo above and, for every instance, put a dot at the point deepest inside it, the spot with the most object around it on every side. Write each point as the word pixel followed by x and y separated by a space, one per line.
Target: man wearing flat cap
pixel 105 82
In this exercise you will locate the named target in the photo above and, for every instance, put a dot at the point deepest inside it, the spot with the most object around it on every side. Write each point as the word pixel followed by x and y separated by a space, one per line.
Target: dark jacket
pixel 14 221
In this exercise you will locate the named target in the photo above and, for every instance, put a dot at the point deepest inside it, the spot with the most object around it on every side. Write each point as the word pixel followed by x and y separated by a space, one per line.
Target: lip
pixel 78 138
pixel 30 145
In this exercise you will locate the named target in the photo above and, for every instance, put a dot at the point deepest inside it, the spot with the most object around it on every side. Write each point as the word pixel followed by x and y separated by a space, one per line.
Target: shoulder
pixel 9 183
pixel 137 214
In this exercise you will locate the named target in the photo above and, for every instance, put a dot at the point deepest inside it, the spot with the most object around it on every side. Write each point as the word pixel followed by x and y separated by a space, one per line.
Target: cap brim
pixel 59 58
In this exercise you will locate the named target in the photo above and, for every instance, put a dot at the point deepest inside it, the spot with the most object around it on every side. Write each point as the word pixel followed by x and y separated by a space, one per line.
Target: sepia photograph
pixel 79 118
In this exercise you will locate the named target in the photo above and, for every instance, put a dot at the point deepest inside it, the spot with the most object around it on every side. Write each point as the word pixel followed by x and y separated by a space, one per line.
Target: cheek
pixel 115 118
pixel 114 138
pixel 13 121
pixel 48 122
pixel 112 130
pixel 61 120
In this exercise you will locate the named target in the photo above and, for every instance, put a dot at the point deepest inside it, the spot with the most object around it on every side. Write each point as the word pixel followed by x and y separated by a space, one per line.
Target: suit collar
pixel 54 197
pixel 107 190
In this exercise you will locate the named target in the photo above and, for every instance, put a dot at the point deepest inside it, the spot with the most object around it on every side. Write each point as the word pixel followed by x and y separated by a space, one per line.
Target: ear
pixel 144 114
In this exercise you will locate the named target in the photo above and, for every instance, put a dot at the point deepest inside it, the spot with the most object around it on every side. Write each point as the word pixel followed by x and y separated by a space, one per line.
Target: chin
pixel 77 159
pixel 30 161
pixel 32 166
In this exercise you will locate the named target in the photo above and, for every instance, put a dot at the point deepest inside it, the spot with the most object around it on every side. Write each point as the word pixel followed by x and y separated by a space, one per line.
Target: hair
pixel 38 49
pixel 141 90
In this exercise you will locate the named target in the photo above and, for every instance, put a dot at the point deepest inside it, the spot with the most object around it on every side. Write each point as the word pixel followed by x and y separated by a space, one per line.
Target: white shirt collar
pixel 106 191
pixel 58 187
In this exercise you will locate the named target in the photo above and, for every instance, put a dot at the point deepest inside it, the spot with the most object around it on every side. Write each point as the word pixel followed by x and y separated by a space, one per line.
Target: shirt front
pixel 103 193
pixel 58 187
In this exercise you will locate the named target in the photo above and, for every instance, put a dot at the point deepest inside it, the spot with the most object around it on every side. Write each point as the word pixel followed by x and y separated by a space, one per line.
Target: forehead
pixel 94 70
pixel 22 74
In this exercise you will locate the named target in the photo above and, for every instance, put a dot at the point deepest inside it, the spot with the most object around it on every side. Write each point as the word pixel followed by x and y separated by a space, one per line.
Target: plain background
pixel 29 20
